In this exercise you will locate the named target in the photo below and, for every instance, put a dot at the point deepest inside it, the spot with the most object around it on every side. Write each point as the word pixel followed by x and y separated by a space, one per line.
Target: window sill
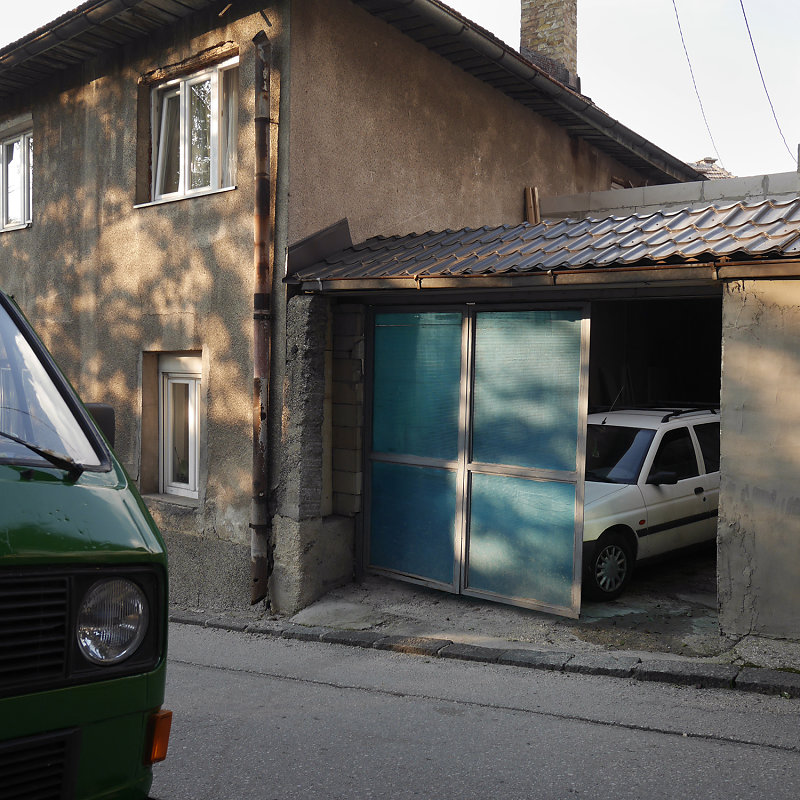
pixel 18 227
pixel 172 499
pixel 164 200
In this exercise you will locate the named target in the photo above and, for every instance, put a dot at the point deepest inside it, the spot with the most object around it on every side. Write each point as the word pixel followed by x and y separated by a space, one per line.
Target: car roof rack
pixel 693 410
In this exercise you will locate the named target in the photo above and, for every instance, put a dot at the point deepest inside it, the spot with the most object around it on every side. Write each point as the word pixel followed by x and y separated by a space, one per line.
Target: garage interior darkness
pixel 655 352
pixel 659 352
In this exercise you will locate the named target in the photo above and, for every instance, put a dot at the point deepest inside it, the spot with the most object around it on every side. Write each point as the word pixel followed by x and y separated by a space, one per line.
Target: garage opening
pixel 660 353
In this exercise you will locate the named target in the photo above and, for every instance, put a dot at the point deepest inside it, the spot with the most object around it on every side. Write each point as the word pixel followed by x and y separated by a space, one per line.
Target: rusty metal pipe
pixel 260 524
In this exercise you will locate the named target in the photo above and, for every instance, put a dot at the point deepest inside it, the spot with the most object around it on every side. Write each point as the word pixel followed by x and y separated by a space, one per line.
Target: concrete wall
pixel 396 139
pixel 759 522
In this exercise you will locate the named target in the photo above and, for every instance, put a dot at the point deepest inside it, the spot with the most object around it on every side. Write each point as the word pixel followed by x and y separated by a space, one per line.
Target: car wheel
pixel 610 568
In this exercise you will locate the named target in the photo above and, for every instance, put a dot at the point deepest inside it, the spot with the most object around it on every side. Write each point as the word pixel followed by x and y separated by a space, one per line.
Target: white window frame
pixel 181 88
pixel 174 370
pixel 21 133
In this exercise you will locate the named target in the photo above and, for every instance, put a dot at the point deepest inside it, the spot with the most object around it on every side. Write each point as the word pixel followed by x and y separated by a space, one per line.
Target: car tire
pixel 610 567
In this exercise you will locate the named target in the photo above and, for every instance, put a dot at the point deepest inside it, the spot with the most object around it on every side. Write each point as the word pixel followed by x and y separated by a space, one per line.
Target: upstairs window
pixel 194 132
pixel 16 176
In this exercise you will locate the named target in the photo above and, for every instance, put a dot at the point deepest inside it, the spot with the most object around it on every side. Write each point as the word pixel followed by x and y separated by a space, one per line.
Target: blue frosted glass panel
pixel 527 370
pixel 521 539
pixel 417 383
pixel 413 520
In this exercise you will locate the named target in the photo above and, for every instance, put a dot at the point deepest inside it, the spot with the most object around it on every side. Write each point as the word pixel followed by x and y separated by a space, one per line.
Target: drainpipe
pixel 260 524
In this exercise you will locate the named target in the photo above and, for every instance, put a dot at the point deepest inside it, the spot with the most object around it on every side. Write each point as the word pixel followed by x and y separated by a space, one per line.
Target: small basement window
pixel 179 425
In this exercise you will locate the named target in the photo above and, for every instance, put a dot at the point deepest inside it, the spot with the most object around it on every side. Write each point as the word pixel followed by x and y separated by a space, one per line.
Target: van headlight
pixel 112 621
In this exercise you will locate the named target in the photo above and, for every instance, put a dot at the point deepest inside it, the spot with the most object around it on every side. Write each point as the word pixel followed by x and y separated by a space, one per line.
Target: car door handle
pixel 699 490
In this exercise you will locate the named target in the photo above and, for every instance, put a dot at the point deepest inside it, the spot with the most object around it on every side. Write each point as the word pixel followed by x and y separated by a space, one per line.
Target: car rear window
pixel 708 437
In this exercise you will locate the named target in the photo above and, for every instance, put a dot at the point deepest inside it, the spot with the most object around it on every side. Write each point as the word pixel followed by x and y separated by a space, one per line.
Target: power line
pixel 763 82
pixel 694 82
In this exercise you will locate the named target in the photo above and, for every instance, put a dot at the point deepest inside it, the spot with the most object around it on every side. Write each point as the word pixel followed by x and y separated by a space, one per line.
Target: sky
pixel 632 64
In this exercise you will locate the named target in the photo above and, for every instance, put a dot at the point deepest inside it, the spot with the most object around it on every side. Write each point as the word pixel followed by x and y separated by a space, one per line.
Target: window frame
pixel 20 133
pixel 176 370
pixel 222 134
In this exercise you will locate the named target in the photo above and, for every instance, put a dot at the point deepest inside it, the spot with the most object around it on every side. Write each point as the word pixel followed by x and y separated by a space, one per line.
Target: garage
pixel 478 431
pixel 486 349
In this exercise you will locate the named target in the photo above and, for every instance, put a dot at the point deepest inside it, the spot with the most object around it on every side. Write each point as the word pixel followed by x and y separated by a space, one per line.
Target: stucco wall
pixel 396 139
pixel 759 522
pixel 105 282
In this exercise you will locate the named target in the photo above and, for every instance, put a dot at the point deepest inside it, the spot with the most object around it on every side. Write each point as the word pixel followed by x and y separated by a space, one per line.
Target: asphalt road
pixel 260 717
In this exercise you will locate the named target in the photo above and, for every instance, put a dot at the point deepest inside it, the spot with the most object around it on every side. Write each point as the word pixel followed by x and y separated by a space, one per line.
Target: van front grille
pixel 39 767
pixel 33 631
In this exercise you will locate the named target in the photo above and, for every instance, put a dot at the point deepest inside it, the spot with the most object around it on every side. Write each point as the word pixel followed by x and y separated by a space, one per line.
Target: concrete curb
pixel 690 672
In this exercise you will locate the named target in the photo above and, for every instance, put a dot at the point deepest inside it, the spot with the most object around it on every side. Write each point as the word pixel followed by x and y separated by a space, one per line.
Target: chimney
pixel 549 38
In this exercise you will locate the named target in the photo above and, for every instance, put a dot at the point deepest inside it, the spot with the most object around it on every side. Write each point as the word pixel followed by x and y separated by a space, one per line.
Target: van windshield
pixel 614 454
pixel 33 413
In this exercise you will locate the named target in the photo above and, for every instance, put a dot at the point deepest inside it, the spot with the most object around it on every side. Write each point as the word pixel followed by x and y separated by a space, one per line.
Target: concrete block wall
pixel 313 549
pixel 348 408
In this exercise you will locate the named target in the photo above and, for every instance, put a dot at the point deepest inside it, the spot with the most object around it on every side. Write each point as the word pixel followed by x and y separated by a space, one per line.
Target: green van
pixel 83 595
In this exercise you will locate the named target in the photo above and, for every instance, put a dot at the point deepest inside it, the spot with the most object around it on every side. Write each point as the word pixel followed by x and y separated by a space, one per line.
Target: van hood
pixel 96 518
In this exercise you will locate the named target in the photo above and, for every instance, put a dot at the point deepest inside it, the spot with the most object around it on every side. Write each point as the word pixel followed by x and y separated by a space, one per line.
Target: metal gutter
pixel 263 257
pixel 643 275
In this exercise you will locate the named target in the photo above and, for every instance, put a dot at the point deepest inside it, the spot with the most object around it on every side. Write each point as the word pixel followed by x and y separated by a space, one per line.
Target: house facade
pixel 165 167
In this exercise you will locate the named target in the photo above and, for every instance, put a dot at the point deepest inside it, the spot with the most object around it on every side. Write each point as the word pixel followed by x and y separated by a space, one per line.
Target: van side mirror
pixel 662 477
pixel 105 419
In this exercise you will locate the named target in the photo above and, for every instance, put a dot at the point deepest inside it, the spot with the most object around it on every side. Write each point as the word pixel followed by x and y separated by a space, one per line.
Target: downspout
pixel 260 524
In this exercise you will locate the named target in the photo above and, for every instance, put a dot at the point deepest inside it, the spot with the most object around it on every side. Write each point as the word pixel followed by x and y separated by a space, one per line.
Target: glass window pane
pixel 30 177
pixel 708 437
pixel 527 371
pixel 12 155
pixel 228 126
pixel 180 432
pixel 169 145
pixel 200 135
pixel 522 538
pixel 417 384
pixel 413 520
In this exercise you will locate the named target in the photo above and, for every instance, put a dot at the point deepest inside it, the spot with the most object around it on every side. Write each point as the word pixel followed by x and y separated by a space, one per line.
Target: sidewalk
pixel 663 629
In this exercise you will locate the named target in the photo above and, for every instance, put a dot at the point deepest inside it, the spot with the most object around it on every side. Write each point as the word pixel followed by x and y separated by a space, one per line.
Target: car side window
pixel 708 438
pixel 676 454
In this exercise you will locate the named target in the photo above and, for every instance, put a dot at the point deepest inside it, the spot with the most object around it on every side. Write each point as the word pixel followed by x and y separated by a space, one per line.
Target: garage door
pixel 477 434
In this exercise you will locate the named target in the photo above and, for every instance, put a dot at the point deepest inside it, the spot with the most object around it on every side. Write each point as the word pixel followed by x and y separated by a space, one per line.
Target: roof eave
pixel 708 272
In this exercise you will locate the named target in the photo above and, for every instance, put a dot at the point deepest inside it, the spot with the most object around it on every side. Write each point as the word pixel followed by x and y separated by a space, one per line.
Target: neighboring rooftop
pixel 708 166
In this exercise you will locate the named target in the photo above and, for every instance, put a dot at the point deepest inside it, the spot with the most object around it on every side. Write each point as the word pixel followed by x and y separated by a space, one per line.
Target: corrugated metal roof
pixel 735 231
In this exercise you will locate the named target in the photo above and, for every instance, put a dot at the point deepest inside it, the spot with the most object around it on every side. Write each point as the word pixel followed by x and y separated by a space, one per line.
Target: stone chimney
pixel 549 38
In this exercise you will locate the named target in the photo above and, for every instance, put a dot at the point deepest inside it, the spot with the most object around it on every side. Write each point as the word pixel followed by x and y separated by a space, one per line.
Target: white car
pixel 652 487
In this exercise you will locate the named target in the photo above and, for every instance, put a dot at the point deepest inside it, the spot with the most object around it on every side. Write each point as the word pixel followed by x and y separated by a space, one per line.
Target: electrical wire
pixel 764 83
pixel 694 82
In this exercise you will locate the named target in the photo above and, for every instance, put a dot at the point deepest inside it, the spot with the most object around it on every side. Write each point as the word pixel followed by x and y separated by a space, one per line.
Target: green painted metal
pixel 49 519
